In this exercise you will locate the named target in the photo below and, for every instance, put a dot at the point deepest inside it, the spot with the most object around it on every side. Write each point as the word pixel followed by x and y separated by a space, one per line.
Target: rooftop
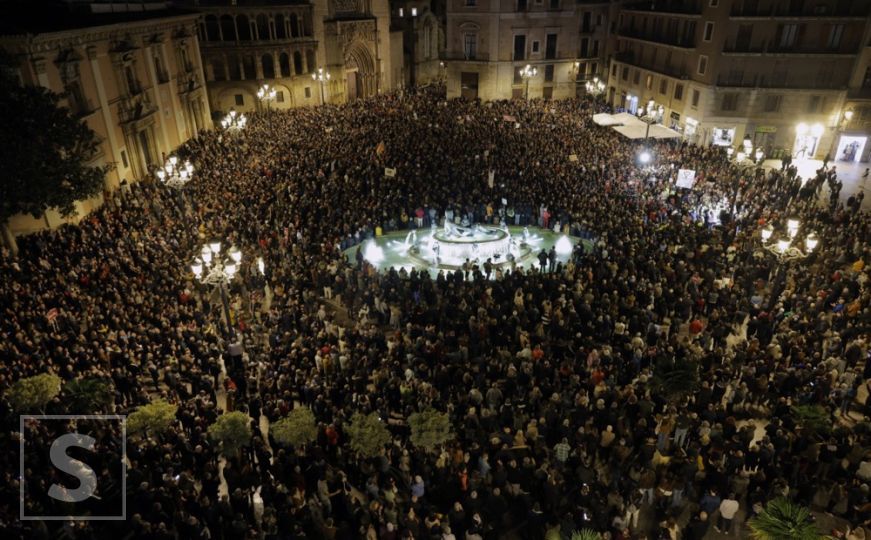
pixel 46 16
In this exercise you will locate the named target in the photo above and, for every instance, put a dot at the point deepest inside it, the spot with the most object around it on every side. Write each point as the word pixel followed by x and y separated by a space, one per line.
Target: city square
pixel 391 270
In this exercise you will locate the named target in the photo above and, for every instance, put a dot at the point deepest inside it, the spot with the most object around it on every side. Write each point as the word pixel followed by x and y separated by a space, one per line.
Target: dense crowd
pixel 554 381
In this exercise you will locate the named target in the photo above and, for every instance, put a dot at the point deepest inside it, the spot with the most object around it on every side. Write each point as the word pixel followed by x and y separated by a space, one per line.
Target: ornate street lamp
pixel 786 249
pixel 321 76
pixel 234 122
pixel 175 174
pixel 595 87
pixel 527 72
pixel 217 270
pixel 266 94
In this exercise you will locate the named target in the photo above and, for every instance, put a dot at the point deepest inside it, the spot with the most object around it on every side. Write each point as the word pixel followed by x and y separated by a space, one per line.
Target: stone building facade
pixel 133 77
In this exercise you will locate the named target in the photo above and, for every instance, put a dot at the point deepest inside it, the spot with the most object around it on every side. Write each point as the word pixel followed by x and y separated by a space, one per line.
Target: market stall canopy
pixel 638 132
pixel 605 119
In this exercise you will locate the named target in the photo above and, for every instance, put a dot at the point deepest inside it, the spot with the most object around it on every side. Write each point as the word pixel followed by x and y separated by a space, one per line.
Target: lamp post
pixel 786 249
pixel 266 94
pixel 595 87
pixel 234 122
pixel 211 269
pixel 175 174
pixel 321 76
pixel 527 72
pixel 654 114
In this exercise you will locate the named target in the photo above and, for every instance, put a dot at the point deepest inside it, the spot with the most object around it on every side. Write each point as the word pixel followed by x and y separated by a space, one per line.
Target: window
pixel 625 74
pixel 521 5
pixel 636 76
pixel 279 96
pixel 536 46
pixel 471 3
pixel 813 104
pixel 519 47
pixel 788 33
pixel 595 47
pixel 158 69
pixel 663 86
pixel 548 73
pixel 772 103
pixel 730 102
pixel 696 96
pixel 715 3
pixel 614 71
pixel 554 4
pixel 308 92
pixel 124 159
pixel 585 47
pixel 470 46
pixel 648 82
pixel 835 35
pixel 709 31
pixel 678 92
pixel 401 12
pixel 240 99
pixel 550 47
pixel 703 64
pixel 585 22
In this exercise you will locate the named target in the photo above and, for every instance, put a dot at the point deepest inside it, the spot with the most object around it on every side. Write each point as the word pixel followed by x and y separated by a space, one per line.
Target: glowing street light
pixel 234 122
pixel 218 270
pixel 323 77
pixel 174 174
pixel 527 72
pixel 266 94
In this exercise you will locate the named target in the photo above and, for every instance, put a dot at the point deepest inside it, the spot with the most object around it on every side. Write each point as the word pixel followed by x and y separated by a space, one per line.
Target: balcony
pixel 758 49
pixel 666 7
pixel 677 72
pixel 853 12
pixel 661 38
pixel 768 81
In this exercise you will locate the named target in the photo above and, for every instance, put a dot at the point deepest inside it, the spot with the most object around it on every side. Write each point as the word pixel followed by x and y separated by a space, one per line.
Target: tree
pixel 813 419
pixel 783 520
pixel 429 429
pixel 296 429
pixel 46 150
pixel 674 379
pixel 33 393
pixel 232 431
pixel 585 534
pixel 367 434
pixel 88 395
pixel 151 419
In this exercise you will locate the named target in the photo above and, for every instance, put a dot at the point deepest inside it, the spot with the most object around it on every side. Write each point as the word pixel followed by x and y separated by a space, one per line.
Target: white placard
pixel 686 178
pixel 491 177
pixel 389 173
pixel 573 158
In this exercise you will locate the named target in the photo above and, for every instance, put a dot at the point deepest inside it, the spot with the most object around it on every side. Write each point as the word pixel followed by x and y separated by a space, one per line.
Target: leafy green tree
pixel 585 534
pixel 367 434
pixel 32 394
pixel 674 379
pixel 296 429
pixel 813 419
pixel 232 431
pixel 429 429
pixel 783 520
pixel 151 419
pixel 46 151
pixel 88 395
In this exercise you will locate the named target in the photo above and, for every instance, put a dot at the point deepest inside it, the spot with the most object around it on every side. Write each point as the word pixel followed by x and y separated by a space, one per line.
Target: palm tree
pixel 784 520
pixel 585 534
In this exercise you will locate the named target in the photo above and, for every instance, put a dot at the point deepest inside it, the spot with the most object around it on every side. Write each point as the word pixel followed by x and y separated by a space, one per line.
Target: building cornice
pixel 49 41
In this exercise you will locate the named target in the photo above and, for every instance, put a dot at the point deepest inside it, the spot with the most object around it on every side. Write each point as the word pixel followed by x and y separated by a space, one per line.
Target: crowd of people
pixel 647 387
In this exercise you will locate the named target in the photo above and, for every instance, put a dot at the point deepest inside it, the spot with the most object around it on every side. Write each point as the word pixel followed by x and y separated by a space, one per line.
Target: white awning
pixel 639 132
pixel 627 119
pixel 605 119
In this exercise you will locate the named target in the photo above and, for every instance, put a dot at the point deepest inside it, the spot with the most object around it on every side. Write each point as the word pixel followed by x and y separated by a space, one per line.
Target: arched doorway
pixel 359 72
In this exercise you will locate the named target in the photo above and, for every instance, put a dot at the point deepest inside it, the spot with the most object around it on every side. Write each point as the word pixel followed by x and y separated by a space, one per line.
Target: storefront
pixel 807 140
pixel 850 148
pixel 723 136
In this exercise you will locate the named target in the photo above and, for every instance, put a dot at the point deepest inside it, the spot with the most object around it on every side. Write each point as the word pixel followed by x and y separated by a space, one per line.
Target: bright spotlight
pixel 373 253
pixel 564 246
pixel 644 158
